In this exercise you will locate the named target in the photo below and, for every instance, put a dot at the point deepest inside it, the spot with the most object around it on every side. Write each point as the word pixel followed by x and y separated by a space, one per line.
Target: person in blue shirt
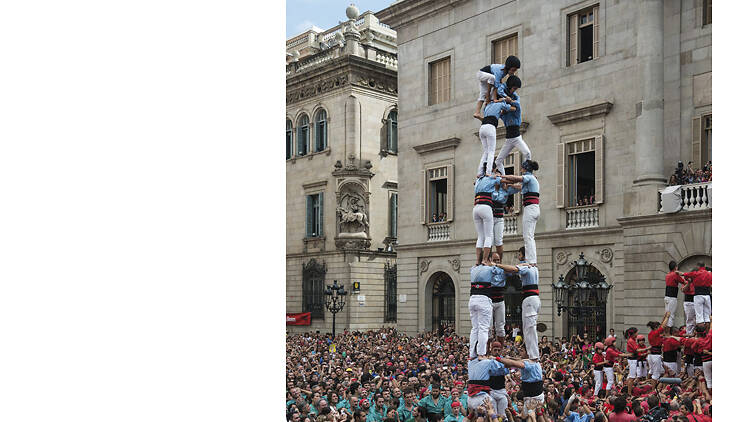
pixel 498 392
pixel 480 370
pixel 434 403
pixel 499 198
pixel 530 306
pixel 572 413
pixel 480 307
pixel 488 134
pixel 532 385
pixel 490 77
pixel 496 291
pixel 482 214
pixel 530 192
pixel 512 122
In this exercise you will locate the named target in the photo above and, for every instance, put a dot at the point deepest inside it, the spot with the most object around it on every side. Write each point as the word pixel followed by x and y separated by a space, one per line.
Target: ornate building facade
pixel 341 179
pixel 614 94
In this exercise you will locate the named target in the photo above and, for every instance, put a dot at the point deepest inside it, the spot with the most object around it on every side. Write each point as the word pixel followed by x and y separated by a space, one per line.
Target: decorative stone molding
pixel 450 143
pixel 455 264
pixel 409 11
pixel 314 185
pixel 581 112
pixel 316 243
pixel 352 222
pixel 316 88
pixel 424 265
pixel 389 184
pixel 606 255
pixel 353 170
pixel 561 258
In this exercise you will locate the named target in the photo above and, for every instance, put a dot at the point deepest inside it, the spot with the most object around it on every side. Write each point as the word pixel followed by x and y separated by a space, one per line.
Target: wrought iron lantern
pixel 580 290
pixel 335 300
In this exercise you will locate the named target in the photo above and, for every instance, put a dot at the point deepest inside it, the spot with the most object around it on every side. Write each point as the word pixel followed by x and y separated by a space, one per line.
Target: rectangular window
pixel 288 143
pixel 440 81
pixel 315 215
pixel 706 12
pixel 702 140
pixel 581 173
pixel 390 293
pixel 438 194
pixel 393 215
pixel 504 47
pixel 583 35
pixel 706 141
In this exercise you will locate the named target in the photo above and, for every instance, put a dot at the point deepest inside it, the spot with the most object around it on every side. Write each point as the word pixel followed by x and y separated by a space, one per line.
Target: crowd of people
pixel 686 175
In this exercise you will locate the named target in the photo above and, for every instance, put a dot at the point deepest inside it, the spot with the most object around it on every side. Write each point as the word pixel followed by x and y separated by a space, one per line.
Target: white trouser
pixel 529 312
pixel 689 317
pixel 476 400
pixel 597 382
pixel 632 368
pixel 674 367
pixel 488 136
pixel 508 146
pixel 702 306
pixel 707 371
pixel 530 217
pixel 498 225
pixel 485 81
pixel 610 373
pixel 642 367
pixel 500 399
pixel 655 366
pixel 482 214
pixel 480 311
pixel 498 318
pixel 670 305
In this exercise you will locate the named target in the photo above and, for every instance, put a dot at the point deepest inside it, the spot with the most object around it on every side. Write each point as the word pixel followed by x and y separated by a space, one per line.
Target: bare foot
pixel 477 116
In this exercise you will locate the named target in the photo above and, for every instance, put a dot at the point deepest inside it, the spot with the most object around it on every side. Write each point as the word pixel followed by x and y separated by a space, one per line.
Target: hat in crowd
pixel 348 369
pixel 362 402
pixel 609 341
pixel 459 382
pixel 599 345
pixel 389 364
pixel 422 391
pixel 455 404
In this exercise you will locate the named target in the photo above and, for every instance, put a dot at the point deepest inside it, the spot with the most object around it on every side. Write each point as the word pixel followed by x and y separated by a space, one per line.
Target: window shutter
pixel 697 133
pixel 320 214
pixel 573 42
pixel 423 197
pixel 560 175
pixel 596 32
pixel 308 228
pixel 599 168
pixel 449 199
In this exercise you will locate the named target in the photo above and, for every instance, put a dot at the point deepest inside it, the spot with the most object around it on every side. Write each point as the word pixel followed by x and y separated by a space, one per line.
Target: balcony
pixel 437 232
pixel 582 217
pixel 510 225
pixel 692 197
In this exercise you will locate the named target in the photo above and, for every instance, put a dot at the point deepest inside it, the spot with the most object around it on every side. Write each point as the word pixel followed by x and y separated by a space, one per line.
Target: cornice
pixel 437 146
pixel 411 11
pixel 342 72
pixel 657 219
pixel 313 185
pixel 581 112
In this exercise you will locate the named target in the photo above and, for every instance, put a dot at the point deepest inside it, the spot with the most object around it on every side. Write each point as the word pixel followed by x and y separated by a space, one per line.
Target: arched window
pixel 313 275
pixel 392 141
pixel 289 144
pixel 303 134
pixel 321 130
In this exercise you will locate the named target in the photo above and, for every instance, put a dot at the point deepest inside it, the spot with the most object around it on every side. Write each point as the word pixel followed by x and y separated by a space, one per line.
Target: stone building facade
pixel 341 177
pixel 614 94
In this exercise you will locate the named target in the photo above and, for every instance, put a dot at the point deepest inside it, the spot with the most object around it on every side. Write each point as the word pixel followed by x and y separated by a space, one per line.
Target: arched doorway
pixel 587 315
pixel 443 301
pixel 691 263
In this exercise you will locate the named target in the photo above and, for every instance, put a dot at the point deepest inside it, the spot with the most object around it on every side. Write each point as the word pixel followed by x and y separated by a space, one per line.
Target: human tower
pixel 499 101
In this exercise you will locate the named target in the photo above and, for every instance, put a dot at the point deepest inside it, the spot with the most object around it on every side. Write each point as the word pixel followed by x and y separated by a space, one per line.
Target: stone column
pixel 352 129
pixel 649 123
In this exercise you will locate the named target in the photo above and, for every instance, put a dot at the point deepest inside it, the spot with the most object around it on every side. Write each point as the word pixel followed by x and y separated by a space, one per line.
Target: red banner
pixel 298 319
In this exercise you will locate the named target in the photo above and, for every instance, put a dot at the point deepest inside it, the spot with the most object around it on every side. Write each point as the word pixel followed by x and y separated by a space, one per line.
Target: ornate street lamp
pixel 602 290
pixel 582 267
pixel 580 290
pixel 335 300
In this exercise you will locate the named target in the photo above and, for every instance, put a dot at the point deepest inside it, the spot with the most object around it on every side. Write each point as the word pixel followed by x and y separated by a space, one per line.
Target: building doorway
pixel 587 315
pixel 443 302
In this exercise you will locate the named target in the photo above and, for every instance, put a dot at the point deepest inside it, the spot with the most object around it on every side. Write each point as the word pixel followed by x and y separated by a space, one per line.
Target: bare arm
pixel 512 363
pixel 508 268
pixel 511 178
pixel 664 321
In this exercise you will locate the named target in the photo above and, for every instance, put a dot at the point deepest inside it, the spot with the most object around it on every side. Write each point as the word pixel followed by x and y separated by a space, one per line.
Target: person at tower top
pixel 490 77
pixel 512 121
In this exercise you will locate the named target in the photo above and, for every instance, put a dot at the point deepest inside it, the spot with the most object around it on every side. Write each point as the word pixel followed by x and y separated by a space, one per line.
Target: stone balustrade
pixel 510 225
pixel 388 59
pixel 695 196
pixel 317 59
pixel 438 231
pixel 582 217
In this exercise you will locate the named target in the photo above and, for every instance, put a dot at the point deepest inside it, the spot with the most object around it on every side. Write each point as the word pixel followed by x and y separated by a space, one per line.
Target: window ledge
pixel 309 155
pixel 581 111
pixel 437 146
pixel 384 153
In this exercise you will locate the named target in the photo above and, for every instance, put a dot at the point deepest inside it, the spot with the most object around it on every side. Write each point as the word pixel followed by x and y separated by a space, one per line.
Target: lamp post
pixel 581 288
pixel 335 300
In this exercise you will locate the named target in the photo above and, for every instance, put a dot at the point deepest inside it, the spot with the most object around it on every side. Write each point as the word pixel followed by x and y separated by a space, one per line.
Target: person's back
pixel 619 414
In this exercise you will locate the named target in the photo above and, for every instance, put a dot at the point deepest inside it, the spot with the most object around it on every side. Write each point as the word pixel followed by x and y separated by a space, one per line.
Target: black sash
pixel 497 382
pixel 702 290
pixel 512 132
pixel 670 356
pixel 532 389
pixel 671 291
pixel 489 120
pixel 688 298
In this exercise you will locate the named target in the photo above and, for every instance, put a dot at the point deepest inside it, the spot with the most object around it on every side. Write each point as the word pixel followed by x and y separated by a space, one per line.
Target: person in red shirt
pixel 671 346
pixel 642 365
pixel 598 361
pixel 689 290
pixel 702 347
pixel 702 299
pixel 632 348
pixel 692 411
pixel 673 279
pixel 610 357
pixel 655 340
pixel 619 414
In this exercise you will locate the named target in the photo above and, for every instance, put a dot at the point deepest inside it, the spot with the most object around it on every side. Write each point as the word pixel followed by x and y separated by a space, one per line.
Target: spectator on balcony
pixel 434 218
